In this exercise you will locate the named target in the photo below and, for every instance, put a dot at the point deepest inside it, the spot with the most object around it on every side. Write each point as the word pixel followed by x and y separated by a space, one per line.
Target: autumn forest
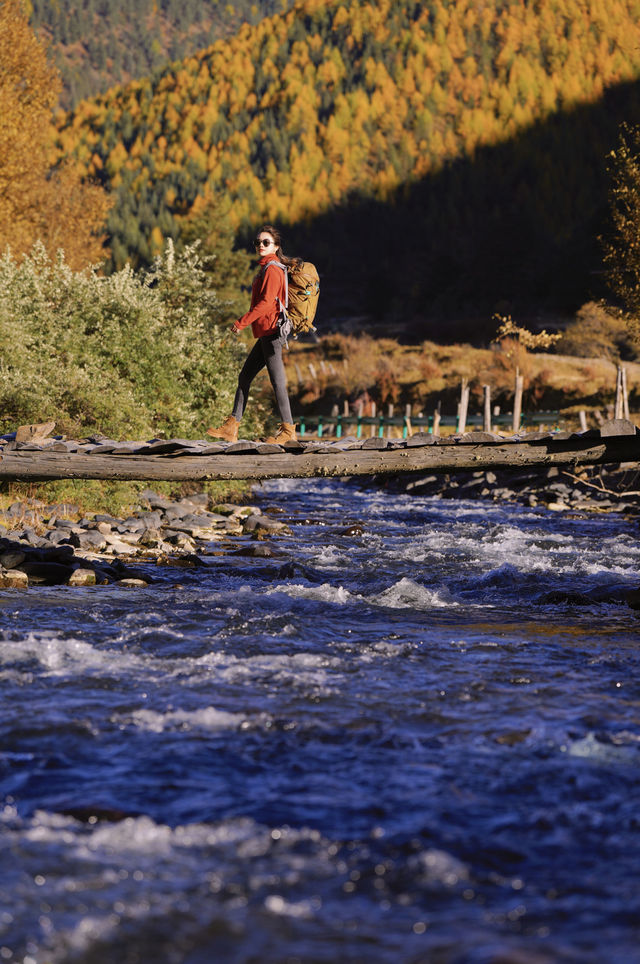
pixel 439 161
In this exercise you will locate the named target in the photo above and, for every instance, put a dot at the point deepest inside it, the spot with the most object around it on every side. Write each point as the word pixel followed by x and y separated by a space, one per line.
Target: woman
pixel 267 298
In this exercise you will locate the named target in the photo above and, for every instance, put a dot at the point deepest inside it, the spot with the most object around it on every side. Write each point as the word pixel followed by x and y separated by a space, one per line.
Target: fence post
pixel 583 420
pixel 436 420
pixel 345 415
pixel 625 395
pixel 517 401
pixel 464 406
pixel 389 415
pixel 359 422
pixel 486 414
pixel 335 411
pixel 618 407
pixel 373 415
pixel 407 429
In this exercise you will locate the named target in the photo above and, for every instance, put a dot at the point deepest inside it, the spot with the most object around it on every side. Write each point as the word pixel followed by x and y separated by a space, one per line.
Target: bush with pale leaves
pixel 129 355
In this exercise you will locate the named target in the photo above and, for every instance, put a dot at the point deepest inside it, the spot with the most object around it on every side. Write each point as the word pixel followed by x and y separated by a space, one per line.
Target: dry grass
pixel 343 367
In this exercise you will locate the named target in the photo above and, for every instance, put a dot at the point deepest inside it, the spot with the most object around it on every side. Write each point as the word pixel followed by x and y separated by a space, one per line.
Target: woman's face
pixel 265 244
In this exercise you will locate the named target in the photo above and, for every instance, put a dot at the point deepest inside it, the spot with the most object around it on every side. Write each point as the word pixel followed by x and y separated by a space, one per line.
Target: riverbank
pixel 604 488
pixel 42 544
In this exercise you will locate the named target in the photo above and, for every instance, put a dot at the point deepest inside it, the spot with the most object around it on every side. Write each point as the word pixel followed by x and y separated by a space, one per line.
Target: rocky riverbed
pixel 598 489
pixel 46 544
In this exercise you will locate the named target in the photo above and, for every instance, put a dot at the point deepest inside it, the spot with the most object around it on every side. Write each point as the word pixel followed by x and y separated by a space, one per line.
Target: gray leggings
pixel 266 351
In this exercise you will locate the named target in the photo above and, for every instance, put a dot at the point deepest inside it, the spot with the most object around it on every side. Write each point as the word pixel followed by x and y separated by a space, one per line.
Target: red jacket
pixel 267 288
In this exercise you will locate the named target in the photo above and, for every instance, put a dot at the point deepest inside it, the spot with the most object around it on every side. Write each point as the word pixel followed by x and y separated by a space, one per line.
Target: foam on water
pixel 55 655
pixel 208 719
pixel 407 594
pixel 326 593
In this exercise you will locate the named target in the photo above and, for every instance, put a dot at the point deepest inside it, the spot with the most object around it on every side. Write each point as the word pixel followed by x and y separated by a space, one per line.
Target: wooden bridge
pixel 173 460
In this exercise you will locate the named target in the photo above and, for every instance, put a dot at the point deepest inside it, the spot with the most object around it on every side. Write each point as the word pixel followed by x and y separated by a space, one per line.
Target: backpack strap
pixel 286 281
pixel 284 325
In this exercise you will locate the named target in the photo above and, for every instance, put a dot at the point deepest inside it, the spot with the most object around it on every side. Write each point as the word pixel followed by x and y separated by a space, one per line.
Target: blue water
pixel 388 744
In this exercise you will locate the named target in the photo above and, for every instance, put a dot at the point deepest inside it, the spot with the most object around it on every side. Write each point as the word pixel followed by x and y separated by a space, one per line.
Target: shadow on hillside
pixel 512 230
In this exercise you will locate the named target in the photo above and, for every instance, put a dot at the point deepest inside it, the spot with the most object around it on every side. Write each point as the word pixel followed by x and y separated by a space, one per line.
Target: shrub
pixel 597 332
pixel 129 355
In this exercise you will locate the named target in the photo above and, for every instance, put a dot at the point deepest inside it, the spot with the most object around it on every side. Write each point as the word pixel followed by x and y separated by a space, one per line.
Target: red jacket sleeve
pixel 265 307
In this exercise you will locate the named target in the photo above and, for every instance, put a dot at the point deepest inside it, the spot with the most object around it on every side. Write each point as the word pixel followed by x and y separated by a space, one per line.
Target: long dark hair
pixel 277 237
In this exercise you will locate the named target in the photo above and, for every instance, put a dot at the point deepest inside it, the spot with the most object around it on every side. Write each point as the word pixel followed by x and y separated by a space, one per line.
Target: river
pixel 393 741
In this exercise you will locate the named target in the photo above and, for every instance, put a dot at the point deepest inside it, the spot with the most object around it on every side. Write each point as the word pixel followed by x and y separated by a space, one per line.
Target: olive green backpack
pixel 301 294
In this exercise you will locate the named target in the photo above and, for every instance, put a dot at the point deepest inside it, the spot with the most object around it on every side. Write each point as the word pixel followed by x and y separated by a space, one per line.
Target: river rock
pixel 260 551
pixel 131 583
pixel 32 538
pixel 132 524
pixel 11 558
pixel 62 553
pixel 181 540
pixel 130 538
pixel 255 523
pixel 633 598
pixel 82 577
pixel 116 545
pixel 47 573
pixel 151 520
pixel 154 500
pixel 31 433
pixel 90 539
pixel 353 530
pixel 13 579
pixel 57 536
pixel 225 509
pixel 151 538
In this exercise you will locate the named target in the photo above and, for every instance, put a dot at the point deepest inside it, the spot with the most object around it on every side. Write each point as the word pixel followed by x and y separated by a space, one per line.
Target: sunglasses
pixel 263 242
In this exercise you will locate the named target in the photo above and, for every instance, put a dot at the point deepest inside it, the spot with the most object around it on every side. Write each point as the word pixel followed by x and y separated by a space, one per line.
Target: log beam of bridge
pixel 442 456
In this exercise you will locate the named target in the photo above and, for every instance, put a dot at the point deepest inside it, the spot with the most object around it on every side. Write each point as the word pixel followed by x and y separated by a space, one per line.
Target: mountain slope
pixel 97 44
pixel 331 103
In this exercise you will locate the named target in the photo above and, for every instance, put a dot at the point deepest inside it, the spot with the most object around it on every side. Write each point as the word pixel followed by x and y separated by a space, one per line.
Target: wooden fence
pixel 405 425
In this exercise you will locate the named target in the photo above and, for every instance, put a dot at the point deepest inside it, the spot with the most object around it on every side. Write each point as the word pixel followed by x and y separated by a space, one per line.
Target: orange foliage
pixel 334 97
pixel 38 200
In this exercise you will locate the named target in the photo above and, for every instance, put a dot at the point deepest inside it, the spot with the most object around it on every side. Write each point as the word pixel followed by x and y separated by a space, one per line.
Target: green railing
pixel 416 422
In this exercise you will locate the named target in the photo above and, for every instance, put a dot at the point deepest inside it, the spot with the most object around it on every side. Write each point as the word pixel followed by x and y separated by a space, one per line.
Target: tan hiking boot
pixel 228 431
pixel 286 433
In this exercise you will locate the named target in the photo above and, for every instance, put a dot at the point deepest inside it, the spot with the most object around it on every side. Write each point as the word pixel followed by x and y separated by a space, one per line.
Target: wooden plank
pixel 575 450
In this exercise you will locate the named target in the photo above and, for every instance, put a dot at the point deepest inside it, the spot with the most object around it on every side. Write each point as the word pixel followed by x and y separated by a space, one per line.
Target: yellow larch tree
pixel 38 202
